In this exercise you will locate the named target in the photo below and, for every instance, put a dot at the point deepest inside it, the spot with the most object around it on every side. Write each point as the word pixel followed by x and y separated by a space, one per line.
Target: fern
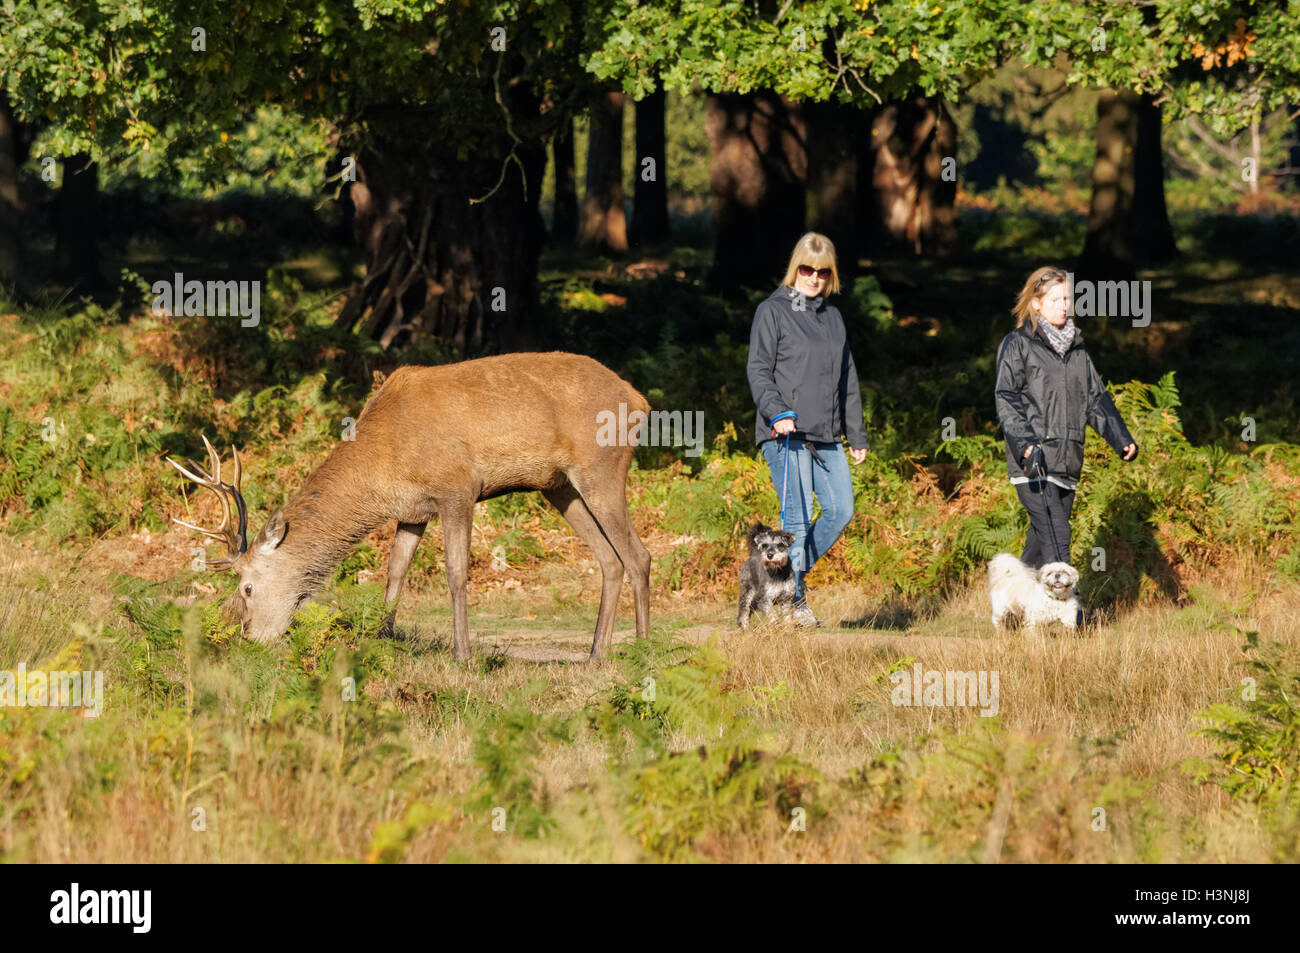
pixel 507 742
pixel 721 784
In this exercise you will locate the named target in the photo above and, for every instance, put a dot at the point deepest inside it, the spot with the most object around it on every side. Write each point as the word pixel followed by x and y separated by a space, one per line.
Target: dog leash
pixel 785 469
pixel 1051 524
pixel 785 460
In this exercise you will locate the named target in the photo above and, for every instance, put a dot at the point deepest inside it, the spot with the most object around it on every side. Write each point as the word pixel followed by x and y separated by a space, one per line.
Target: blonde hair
pixel 1038 284
pixel 818 251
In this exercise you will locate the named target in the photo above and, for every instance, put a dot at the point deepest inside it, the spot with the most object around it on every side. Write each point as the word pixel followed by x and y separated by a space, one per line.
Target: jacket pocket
pixel 1073 452
pixel 1063 457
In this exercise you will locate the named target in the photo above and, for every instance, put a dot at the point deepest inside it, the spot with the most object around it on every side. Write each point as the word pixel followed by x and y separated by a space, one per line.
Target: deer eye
pixel 248 589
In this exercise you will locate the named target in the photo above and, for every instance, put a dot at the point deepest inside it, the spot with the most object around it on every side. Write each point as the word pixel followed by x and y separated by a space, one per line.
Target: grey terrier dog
pixel 766 578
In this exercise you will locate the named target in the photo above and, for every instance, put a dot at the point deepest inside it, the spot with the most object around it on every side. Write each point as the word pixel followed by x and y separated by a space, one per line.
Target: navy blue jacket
pixel 799 360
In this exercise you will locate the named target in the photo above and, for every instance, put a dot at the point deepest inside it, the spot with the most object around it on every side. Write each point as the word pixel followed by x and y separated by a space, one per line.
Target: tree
pixel 1148 56
pixel 76 254
pixel 913 193
pixel 771 67
pixel 837 132
pixel 757 174
pixel 10 205
pixel 564 222
pixel 650 195
pixel 603 225
pixel 1127 222
pixel 868 52
pixel 444 108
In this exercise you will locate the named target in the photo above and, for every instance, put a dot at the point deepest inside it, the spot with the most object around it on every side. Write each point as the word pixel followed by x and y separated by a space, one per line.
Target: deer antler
pixel 236 540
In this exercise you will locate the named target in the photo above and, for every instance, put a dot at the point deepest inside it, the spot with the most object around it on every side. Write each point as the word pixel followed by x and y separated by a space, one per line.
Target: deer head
pixel 265 578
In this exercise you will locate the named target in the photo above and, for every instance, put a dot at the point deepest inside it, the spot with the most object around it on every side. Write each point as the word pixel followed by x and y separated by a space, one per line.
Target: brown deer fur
pixel 432 441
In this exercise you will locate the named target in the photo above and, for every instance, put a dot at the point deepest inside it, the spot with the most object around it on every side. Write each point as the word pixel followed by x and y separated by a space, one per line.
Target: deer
pixel 433 441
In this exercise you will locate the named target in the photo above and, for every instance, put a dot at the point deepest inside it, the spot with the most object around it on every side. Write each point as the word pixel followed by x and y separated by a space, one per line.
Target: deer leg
pixel 405 540
pixel 566 499
pixel 457 524
pixel 609 507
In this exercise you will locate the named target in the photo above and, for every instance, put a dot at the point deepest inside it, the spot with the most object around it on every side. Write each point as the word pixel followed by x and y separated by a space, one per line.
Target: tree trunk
pixel 76 256
pixel 835 131
pixel 1152 232
pixel 758 170
pixel 650 196
pixel 1128 223
pixel 604 222
pixel 10 207
pixel 564 221
pixel 913 180
pixel 437 265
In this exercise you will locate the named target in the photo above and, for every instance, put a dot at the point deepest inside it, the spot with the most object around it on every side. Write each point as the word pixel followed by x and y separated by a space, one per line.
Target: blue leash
pixel 785 468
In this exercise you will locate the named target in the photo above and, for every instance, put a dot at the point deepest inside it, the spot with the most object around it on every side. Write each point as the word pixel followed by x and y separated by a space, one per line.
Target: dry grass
pixel 1104 718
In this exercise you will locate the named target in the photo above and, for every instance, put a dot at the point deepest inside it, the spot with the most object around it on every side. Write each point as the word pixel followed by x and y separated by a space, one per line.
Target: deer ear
pixel 272 534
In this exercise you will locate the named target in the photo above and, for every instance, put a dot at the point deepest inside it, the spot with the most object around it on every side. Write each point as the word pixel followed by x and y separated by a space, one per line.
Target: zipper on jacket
pixel 1065 380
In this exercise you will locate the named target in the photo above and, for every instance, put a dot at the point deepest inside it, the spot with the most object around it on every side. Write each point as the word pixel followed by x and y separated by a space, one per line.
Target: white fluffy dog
pixel 1035 595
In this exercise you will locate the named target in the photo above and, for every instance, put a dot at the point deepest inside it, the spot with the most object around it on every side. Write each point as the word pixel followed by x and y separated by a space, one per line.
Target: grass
pixel 282 770
pixel 702 744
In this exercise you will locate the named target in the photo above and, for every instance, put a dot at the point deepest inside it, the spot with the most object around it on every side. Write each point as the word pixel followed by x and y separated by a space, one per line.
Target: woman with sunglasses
pixel 1047 391
pixel 805 386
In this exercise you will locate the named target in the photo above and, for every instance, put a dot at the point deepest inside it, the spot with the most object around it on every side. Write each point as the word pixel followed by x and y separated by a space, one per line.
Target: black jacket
pixel 1044 398
pixel 799 360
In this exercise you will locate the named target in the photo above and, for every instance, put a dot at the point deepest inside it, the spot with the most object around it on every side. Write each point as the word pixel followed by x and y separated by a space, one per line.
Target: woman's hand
pixel 857 455
pixel 783 426
pixel 1130 451
pixel 1028 450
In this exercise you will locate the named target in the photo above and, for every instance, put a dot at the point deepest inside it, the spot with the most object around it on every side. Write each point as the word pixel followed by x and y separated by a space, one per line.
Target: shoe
pixel 803 616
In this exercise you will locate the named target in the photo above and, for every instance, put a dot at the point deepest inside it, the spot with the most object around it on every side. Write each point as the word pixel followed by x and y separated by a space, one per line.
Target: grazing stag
pixel 434 441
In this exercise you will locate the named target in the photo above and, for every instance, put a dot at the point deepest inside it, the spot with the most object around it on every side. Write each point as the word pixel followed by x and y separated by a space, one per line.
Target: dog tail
pixel 1003 564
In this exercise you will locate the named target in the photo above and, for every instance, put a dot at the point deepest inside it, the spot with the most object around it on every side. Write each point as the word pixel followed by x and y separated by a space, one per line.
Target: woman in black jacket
pixel 805 385
pixel 1047 390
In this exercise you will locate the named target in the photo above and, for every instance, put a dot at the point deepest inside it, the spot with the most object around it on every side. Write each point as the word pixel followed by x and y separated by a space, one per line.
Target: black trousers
pixel 1048 539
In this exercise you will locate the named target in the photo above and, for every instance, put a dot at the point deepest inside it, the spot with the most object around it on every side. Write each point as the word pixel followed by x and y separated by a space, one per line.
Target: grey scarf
pixel 1060 338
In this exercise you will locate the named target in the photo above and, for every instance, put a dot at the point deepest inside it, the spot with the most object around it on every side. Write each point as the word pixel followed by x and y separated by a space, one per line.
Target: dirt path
pixel 551 646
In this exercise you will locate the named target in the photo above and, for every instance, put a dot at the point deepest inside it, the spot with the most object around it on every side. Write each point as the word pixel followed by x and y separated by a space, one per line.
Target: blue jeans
pixel 833 488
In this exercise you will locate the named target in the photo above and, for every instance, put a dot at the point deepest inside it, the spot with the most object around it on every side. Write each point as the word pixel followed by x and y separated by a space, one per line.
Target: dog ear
pixel 786 535
pixel 756 529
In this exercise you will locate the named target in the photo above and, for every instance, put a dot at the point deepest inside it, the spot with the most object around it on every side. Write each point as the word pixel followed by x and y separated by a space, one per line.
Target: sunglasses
pixel 808 271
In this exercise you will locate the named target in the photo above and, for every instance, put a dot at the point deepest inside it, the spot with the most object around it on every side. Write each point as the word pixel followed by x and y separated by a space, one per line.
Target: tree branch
pixel 1194 124
pixel 496 85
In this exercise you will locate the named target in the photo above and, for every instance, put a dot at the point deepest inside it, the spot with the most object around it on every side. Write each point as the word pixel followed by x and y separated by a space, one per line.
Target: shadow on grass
pixel 897 614
pixel 1127 536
